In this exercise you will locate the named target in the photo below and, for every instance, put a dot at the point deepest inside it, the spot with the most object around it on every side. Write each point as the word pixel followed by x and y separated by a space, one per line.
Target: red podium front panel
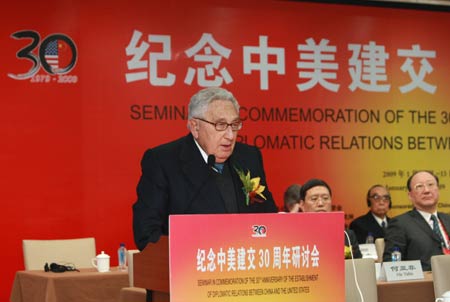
pixel 257 257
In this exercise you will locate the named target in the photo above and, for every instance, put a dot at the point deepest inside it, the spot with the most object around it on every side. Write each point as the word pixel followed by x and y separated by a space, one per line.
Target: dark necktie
pixel 225 184
pixel 219 167
pixel 436 229
pixel 383 224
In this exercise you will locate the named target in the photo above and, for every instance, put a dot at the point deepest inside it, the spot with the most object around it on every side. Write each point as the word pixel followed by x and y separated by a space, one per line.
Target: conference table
pixel 86 285
pixel 90 285
pixel 408 291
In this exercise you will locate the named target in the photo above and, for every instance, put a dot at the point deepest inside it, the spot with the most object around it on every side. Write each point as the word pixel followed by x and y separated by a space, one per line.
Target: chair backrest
pixel 440 266
pixel 379 246
pixel 130 254
pixel 78 252
pixel 365 274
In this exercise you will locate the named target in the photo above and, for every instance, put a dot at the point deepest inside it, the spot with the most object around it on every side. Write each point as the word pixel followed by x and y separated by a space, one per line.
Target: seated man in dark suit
pixel 376 220
pixel 315 196
pixel 421 232
pixel 202 172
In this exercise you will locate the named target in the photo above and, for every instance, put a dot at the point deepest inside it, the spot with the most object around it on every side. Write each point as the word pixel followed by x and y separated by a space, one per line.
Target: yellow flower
pixel 252 187
pixel 257 189
pixel 347 252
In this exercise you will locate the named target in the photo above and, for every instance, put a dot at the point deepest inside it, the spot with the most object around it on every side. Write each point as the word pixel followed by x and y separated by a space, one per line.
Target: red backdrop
pixel 73 136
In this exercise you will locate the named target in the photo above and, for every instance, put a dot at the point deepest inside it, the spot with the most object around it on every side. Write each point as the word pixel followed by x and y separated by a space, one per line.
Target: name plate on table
pixel 402 270
pixel 368 250
pixel 257 257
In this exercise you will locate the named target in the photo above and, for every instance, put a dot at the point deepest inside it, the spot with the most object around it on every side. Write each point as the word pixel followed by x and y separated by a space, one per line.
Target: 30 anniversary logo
pixel 56 55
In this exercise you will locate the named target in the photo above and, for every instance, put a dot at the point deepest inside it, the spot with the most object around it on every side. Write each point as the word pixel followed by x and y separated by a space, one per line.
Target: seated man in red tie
pixel 421 232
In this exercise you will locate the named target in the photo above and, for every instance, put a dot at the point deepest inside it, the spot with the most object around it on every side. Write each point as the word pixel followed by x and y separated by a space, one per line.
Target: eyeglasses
pixel 316 198
pixel 421 186
pixel 222 126
pixel 377 197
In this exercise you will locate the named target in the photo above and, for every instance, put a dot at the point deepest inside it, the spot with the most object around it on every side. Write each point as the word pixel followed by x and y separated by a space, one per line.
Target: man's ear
pixel 193 127
pixel 409 196
pixel 302 205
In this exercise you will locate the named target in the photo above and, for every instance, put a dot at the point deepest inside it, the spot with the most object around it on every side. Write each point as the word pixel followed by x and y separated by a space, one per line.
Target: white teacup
pixel 101 262
pixel 445 297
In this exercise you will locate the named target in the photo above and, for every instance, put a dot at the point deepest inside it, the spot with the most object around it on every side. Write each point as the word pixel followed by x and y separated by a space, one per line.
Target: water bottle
pixel 122 253
pixel 370 238
pixel 396 255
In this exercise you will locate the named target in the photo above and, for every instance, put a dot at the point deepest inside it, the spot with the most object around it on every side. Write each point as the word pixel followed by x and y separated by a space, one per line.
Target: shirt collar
pixel 378 219
pixel 202 152
pixel 426 215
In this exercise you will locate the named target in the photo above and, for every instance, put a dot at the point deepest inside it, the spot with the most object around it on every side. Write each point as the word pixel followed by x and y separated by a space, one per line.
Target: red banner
pixel 353 95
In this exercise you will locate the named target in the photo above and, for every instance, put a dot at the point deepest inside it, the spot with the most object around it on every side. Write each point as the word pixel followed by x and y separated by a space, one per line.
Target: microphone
pixel 210 162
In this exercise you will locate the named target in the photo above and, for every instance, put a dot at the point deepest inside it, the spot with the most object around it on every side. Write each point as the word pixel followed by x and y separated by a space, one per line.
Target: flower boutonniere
pixel 252 188
pixel 347 252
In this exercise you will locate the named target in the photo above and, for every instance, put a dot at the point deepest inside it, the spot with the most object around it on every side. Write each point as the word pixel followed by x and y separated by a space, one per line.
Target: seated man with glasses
pixel 421 232
pixel 315 196
pixel 376 220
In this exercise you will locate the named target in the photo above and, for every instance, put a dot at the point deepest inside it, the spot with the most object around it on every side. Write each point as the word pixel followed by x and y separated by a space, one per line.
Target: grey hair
pixel 200 101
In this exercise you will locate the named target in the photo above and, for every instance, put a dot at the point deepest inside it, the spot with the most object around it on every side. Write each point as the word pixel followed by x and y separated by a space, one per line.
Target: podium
pixel 151 269
pixel 204 267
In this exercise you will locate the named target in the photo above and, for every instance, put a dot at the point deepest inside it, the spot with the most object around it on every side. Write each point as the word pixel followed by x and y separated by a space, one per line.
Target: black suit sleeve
pixel 151 207
pixel 361 234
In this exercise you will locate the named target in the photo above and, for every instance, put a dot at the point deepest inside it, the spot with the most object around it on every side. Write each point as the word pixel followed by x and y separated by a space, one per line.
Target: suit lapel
pixel 190 161
pixel 423 224
pixel 379 232
pixel 198 175
pixel 236 163
pixel 445 220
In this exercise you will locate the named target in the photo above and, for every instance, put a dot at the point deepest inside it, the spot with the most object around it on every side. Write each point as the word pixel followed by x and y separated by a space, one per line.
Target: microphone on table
pixel 210 162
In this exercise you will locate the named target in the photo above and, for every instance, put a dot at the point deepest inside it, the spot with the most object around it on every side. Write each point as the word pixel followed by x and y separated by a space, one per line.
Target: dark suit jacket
pixel 353 243
pixel 364 224
pixel 176 180
pixel 415 238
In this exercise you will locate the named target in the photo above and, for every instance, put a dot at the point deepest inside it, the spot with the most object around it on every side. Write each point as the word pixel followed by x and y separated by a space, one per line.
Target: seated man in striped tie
pixel 421 232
